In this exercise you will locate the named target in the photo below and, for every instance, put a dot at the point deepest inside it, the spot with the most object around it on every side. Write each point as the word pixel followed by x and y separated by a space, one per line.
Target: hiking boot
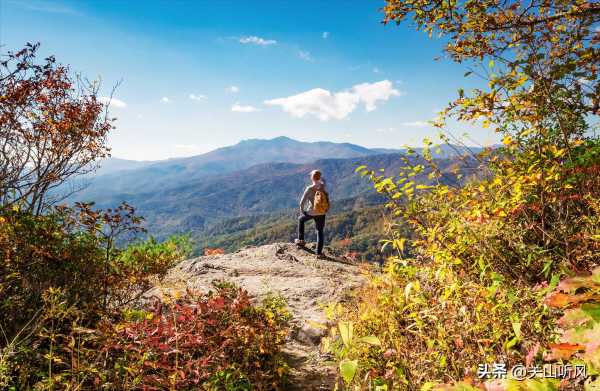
pixel 299 243
pixel 321 256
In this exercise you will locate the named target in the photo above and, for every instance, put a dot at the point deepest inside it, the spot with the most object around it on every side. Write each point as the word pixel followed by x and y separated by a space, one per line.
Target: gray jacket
pixel 306 202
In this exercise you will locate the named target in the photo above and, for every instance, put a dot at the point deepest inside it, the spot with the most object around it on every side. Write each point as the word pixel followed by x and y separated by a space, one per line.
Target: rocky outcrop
pixel 306 282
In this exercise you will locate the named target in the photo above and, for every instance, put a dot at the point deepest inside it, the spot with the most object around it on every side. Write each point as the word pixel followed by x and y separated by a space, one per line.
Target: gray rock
pixel 306 283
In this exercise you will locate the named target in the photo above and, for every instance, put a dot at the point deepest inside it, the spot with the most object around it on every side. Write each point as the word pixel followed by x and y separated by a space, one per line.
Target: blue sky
pixel 197 75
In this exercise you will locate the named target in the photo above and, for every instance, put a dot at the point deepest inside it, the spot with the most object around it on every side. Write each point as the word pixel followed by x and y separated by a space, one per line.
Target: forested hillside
pixel 259 195
pixel 356 231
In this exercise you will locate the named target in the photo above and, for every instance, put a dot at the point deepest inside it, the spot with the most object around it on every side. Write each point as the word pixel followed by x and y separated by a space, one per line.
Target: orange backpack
pixel 321 202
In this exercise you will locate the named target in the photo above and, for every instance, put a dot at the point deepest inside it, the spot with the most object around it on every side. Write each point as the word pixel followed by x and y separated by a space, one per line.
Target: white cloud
pixel 370 93
pixel 416 124
pixel 233 89
pixel 254 40
pixel 326 105
pixel 243 109
pixel 304 55
pixel 165 99
pixel 318 102
pixel 199 97
pixel 113 102
pixel 325 34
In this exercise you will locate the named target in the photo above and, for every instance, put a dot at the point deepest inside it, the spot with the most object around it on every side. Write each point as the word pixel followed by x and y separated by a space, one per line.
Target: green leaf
pixel 512 343
pixel 348 370
pixel 592 310
pixel 517 329
pixel 371 340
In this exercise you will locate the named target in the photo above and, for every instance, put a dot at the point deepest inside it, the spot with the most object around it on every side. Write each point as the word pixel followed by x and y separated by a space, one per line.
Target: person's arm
pixel 303 200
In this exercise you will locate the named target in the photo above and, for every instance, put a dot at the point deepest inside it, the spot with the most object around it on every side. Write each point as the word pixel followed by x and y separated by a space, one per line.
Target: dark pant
pixel 319 223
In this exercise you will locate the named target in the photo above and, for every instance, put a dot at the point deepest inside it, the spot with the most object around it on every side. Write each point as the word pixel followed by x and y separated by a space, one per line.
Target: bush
pixel 483 257
pixel 215 341
pixel 136 268
pixel 433 325
pixel 38 253
pixel 58 332
pixel 57 284
pixel 53 251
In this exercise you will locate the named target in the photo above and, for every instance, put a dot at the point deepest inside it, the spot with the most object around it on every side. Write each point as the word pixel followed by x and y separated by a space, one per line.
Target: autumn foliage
pixel 52 128
pixel 477 278
pixel 220 340
pixel 72 278
pixel 215 341
pixel 214 251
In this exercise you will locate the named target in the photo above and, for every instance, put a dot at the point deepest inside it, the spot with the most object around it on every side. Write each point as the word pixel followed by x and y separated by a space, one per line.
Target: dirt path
pixel 297 275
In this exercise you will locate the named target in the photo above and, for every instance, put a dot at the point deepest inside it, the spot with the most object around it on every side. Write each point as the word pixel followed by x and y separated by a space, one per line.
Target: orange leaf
pixel 561 300
pixel 563 351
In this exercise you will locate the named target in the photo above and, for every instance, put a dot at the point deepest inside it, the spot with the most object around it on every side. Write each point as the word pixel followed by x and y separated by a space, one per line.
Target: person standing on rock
pixel 314 205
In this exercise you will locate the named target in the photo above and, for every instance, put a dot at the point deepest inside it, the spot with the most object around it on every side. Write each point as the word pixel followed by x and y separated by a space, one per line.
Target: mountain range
pixel 126 176
pixel 255 181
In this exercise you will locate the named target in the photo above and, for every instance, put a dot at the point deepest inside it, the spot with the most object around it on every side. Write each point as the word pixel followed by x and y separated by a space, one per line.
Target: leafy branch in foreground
pixel 53 127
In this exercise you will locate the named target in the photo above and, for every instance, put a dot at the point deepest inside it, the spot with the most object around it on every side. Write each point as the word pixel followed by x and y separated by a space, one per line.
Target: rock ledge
pixel 281 268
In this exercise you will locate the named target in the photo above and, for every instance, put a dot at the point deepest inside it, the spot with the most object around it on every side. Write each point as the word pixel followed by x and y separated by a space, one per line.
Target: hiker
pixel 313 206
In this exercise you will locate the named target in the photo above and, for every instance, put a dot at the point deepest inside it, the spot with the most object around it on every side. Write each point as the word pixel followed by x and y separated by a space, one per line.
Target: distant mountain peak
pixel 283 138
pixel 274 140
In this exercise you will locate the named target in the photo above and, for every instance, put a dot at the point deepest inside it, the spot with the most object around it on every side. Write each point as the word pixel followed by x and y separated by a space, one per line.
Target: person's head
pixel 315 176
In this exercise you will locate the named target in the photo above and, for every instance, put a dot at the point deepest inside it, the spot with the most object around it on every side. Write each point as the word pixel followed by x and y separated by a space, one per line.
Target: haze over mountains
pixel 255 180
pixel 119 175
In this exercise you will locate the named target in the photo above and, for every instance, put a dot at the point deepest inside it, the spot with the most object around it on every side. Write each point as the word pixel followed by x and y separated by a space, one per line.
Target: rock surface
pixel 306 282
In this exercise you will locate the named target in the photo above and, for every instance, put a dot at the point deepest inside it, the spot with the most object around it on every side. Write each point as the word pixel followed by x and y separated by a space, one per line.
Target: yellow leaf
pixel 346 332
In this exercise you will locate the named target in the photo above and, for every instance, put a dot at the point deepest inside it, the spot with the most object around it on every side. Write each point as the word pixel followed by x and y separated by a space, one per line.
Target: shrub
pixel 484 241
pixel 214 341
pixel 483 256
pixel 53 127
pixel 434 325
pixel 38 253
pixel 54 277
pixel 136 268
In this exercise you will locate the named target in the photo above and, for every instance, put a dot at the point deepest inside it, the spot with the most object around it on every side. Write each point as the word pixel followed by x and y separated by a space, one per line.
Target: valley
pixel 247 194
